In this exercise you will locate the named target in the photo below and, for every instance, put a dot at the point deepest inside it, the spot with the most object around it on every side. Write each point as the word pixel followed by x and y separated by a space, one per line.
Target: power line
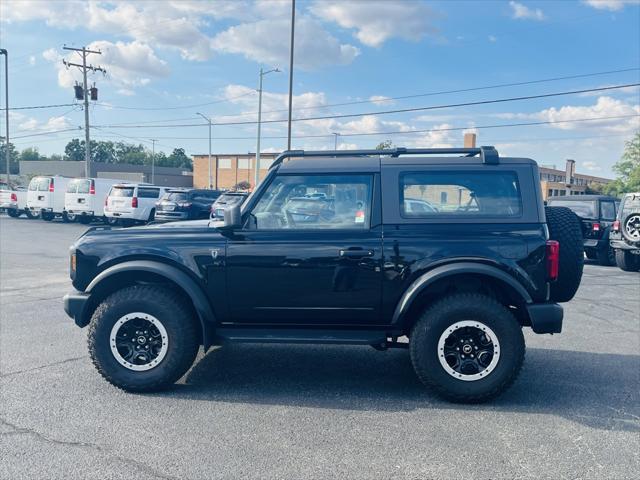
pixel 388 112
pixel 50 132
pixel 33 107
pixel 107 105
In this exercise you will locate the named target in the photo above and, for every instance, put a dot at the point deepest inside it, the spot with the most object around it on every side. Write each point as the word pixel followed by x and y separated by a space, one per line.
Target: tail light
pixel 14 197
pixel 616 226
pixel 553 259
pixel 51 185
pixel 92 187
pixel 596 227
pixel 134 202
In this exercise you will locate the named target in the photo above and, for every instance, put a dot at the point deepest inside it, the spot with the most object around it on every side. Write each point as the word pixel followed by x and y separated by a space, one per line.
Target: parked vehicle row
pixel 112 201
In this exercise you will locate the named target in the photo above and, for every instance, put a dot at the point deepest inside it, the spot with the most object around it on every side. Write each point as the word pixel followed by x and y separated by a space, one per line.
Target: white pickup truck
pixel 14 201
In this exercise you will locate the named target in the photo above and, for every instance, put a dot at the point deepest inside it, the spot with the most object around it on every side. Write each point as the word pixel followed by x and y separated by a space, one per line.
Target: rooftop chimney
pixel 570 171
pixel 469 140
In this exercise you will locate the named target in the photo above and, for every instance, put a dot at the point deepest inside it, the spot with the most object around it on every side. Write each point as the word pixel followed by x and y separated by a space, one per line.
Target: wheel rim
pixel 139 341
pixel 468 350
pixel 632 227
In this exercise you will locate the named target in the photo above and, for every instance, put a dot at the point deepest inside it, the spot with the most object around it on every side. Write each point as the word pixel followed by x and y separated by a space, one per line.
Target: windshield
pixel 229 200
pixel 121 191
pixel 582 208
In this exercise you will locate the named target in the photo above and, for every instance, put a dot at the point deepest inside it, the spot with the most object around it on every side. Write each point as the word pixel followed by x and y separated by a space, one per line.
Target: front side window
pixel 429 194
pixel 314 202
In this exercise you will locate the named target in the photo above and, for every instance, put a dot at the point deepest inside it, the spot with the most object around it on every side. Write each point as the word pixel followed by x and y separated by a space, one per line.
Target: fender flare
pixel 444 271
pixel 193 290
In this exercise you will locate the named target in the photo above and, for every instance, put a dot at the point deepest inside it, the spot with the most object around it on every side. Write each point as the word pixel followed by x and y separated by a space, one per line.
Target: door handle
pixel 359 253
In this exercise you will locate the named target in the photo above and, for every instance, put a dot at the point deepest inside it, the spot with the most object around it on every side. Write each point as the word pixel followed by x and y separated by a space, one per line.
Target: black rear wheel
pixel 32 215
pixel 143 338
pixel 467 348
pixel 564 227
pixel 85 219
pixel 48 216
pixel 627 261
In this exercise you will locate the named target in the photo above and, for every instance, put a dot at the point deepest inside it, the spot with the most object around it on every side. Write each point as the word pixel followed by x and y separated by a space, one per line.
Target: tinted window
pixel 148 192
pixel 582 208
pixel 607 211
pixel 121 191
pixel 314 202
pixel 428 194
pixel 176 196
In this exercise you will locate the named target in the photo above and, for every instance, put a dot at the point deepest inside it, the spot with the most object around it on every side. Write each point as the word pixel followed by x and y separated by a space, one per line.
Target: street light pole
pixel 335 140
pixel 7 151
pixel 257 172
pixel 153 161
pixel 293 23
pixel 210 180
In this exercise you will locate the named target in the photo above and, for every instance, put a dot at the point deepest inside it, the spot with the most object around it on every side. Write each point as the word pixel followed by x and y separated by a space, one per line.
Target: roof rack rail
pixel 488 154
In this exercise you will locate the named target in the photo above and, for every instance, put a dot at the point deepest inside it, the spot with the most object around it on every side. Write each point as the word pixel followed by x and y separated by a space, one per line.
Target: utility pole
pixel 257 173
pixel 7 151
pixel 153 160
pixel 84 67
pixel 293 24
pixel 208 119
pixel 335 140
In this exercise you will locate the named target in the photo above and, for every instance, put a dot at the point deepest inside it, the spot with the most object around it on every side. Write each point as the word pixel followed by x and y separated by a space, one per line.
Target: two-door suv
pixel 448 247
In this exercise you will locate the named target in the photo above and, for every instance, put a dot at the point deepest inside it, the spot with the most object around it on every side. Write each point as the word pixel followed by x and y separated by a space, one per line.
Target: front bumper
pixel 8 206
pixel 622 245
pixel 545 317
pixel 75 305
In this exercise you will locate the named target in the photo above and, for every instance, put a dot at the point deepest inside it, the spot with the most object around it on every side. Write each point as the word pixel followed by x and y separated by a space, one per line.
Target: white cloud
pixel 611 5
pixel 492 38
pixel 127 64
pixel 520 11
pixel 53 123
pixel 439 137
pixel 604 107
pixel 591 166
pixel 381 100
pixel 376 22
pixel 32 60
pixel 371 123
pixel 267 41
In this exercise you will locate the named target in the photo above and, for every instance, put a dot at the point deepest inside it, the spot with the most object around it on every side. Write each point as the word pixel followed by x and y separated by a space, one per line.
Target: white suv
pixel 130 202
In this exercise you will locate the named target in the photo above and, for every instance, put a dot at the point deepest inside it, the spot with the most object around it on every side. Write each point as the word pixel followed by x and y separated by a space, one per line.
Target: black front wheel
pixel 48 216
pixel 32 215
pixel 143 338
pixel 68 217
pixel 467 347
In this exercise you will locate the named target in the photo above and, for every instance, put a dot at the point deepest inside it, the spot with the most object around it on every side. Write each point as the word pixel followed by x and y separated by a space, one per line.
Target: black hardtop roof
pixel 572 198
pixel 341 161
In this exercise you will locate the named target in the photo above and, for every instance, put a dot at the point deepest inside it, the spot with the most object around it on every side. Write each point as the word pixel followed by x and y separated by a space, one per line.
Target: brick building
pixel 232 169
pixel 556 183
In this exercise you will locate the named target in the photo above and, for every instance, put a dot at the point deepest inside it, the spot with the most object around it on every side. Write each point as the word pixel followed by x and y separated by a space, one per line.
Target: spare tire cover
pixel 564 227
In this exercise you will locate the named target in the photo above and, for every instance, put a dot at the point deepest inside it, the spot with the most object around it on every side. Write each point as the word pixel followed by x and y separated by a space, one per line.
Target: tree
pixel 30 154
pixel 244 185
pixel 385 145
pixel 14 166
pixel 179 159
pixel 74 150
pixel 627 168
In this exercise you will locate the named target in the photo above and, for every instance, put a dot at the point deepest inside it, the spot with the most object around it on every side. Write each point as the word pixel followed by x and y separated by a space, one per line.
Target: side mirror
pixel 232 217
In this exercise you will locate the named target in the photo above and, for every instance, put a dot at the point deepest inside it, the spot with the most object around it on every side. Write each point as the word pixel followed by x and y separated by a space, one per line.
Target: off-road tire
pixel 171 310
pixel 627 261
pixel 13 213
pixel 425 334
pixel 606 257
pixel 564 227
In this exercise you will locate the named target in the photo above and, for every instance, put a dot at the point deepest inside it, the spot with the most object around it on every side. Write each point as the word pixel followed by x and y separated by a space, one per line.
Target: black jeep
pixel 326 250
pixel 597 214
pixel 625 233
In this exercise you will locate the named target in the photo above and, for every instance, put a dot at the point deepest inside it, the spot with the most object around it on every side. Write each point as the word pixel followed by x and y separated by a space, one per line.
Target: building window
pixel 224 163
pixel 550 194
pixel 265 163
pixel 244 163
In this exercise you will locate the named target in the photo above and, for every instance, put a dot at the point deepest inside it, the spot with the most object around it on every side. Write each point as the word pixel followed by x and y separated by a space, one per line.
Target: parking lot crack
pixel 17 430
pixel 34 369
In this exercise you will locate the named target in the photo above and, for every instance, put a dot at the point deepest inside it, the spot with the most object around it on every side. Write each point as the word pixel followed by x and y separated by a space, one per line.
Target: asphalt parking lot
pixel 279 411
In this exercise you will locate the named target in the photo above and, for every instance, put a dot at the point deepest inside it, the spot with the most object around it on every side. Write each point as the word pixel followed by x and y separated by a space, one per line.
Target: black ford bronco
pixel 450 248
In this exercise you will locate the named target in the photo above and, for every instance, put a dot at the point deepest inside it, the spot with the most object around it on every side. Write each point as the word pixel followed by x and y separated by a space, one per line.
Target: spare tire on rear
pixel 564 227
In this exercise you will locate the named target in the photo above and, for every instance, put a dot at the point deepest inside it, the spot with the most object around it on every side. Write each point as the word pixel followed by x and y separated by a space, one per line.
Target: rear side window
pixel 607 211
pixel 39 184
pixel 433 194
pixel 176 196
pixel 148 192
pixel 121 192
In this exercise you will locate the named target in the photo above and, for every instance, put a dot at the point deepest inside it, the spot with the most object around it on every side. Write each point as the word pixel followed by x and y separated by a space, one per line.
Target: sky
pixel 168 60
